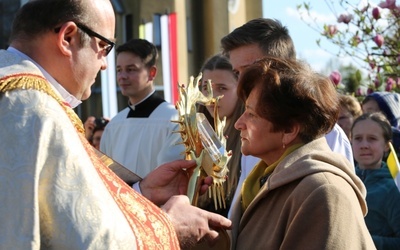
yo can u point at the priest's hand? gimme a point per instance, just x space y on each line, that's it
170 179
193 224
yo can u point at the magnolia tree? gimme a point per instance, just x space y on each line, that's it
370 34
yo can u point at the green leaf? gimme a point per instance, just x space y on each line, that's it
358 75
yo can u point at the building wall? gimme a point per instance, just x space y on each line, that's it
8 8
208 21
201 25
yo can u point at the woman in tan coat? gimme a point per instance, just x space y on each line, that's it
301 195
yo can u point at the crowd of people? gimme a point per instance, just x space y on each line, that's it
94 128
308 168
57 192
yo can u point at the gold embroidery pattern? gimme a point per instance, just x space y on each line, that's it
36 82
152 228
146 219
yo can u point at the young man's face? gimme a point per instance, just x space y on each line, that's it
134 78
243 56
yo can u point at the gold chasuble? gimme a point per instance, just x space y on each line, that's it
150 225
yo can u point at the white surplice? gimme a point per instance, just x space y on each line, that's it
52 195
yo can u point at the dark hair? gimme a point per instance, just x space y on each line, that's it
379 118
101 123
291 93
142 48
40 16
269 34
217 61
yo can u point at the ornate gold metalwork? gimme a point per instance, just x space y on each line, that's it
208 164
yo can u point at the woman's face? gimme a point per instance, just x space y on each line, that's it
368 144
255 132
345 120
223 83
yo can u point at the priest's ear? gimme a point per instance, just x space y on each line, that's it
152 73
68 38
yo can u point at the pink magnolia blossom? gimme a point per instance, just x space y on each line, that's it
343 18
388 4
331 30
376 13
372 64
358 92
390 83
364 9
379 40
370 91
335 77
377 83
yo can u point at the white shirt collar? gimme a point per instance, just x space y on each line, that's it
70 99
133 105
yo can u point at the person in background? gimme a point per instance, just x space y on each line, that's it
101 124
371 135
218 69
386 102
89 126
389 104
141 137
56 192
350 109
94 128
301 195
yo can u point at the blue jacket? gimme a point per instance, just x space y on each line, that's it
383 200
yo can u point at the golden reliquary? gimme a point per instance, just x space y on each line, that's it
202 143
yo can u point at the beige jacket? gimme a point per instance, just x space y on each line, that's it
313 200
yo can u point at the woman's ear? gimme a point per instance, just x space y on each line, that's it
68 38
290 135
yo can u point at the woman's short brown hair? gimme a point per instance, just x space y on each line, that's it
291 93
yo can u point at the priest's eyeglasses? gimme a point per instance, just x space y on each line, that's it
110 45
